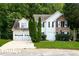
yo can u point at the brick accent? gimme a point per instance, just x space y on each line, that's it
63 29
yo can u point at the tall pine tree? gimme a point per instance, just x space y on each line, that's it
33 30
39 29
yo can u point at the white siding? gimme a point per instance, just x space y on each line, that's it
50 31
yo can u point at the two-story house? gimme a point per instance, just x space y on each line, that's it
51 25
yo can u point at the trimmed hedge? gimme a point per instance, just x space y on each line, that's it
62 37
43 37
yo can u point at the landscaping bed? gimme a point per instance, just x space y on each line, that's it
58 44
3 41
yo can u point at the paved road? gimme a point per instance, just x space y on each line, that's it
40 52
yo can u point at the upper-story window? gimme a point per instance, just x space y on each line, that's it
48 24
23 25
62 23
52 24
56 23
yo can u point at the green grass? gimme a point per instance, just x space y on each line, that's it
58 44
3 41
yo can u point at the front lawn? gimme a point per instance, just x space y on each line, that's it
57 44
3 41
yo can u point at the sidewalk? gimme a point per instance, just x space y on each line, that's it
41 52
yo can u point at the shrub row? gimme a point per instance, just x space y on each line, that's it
62 37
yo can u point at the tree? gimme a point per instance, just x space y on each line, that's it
39 29
33 30
58 6
71 12
35 35
30 29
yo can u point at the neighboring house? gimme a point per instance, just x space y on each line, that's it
21 30
51 24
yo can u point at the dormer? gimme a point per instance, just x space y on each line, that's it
23 23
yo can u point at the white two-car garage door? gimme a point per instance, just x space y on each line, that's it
21 36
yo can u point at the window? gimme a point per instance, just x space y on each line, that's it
26 35
52 24
23 25
65 32
56 32
62 23
42 33
56 23
62 33
18 35
43 24
48 24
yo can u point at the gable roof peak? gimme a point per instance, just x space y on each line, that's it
23 18
58 12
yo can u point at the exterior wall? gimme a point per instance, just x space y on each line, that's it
21 35
64 29
50 31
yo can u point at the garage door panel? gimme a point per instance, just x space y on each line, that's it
18 36
22 35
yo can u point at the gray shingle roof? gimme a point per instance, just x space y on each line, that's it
16 25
